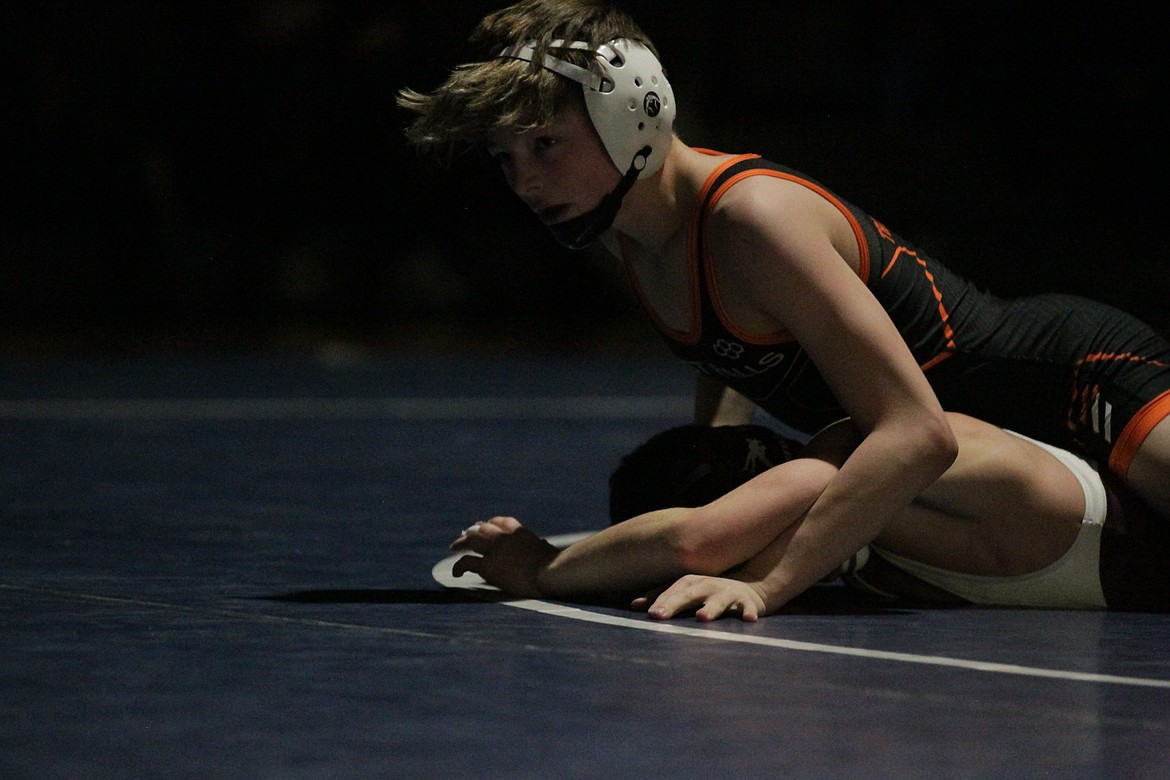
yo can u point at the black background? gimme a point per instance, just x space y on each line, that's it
232 175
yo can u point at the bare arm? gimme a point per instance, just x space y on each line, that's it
833 529
650 549
1004 508
782 266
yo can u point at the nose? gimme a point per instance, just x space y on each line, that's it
524 180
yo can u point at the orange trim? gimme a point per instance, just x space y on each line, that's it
690 337
943 314
934 361
1098 357
1130 440
694 256
858 233
717 302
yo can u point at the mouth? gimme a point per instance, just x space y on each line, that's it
550 215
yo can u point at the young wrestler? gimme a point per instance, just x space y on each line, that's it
776 288
1012 522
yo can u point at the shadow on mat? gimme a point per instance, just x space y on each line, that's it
819 600
386 596
836 599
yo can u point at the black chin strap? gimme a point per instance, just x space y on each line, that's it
580 232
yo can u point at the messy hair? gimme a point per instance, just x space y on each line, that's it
493 93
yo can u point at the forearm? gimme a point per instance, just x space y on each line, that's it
633 554
655 547
882 477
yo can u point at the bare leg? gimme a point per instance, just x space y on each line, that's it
1149 473
1005 507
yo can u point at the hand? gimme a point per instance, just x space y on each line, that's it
510 557
710 597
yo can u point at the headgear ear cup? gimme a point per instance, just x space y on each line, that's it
637 111
629 100
692 465
631 106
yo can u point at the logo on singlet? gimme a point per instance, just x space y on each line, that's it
730 351
757 458
727 349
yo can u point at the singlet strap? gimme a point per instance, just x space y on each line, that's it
699 254
721 180
741 167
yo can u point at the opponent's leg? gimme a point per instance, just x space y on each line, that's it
1005 507
1149 472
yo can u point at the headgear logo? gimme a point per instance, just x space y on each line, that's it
652 104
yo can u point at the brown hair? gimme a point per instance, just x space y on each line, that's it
480 97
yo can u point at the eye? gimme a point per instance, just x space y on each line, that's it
499 157
546 142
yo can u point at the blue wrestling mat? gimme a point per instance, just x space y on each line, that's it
238 568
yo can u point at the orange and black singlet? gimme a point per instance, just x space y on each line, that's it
1058 368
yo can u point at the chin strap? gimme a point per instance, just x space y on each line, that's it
580 232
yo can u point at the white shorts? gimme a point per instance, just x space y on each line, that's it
1071 582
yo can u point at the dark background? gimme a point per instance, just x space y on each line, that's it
194 176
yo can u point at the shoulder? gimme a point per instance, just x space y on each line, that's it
763 219
764 201
783 219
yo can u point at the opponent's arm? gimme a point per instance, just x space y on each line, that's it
1004 508
649 549
742 590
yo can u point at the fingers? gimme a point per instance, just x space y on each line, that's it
714 609
468 563
642 603
479 537
707 597
687 594
506 524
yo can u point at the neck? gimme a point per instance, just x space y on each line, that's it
653 210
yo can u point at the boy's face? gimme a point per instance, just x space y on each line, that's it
561 170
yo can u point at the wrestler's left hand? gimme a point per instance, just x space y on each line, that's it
709 598
509 556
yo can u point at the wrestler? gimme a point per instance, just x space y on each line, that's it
783 295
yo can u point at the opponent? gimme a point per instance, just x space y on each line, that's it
1012 522
783 295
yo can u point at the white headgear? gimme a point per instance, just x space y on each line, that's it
628 98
